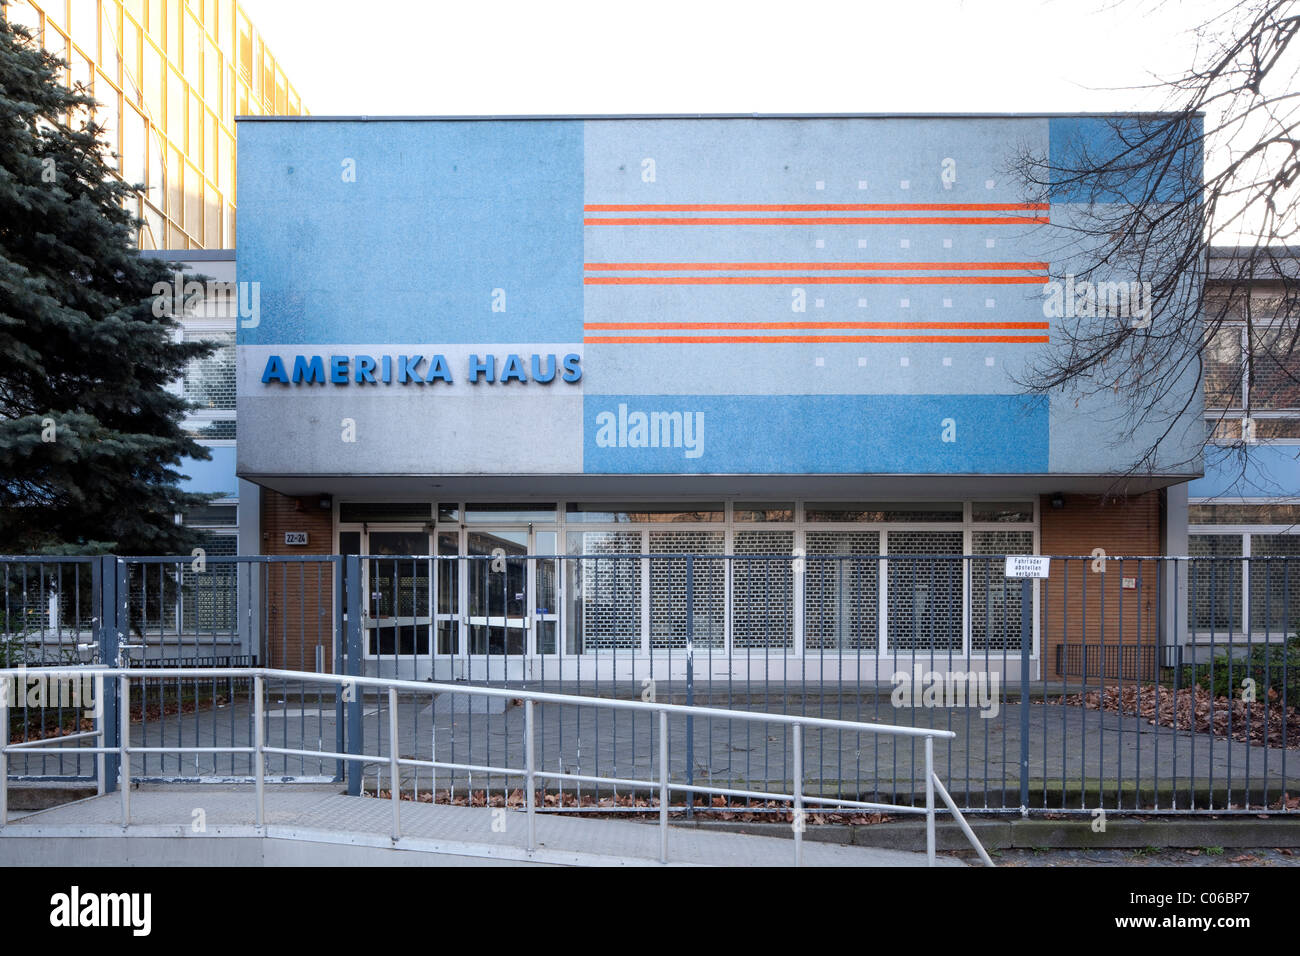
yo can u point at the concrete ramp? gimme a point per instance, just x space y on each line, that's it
215 827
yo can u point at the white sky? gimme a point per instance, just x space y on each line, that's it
668 56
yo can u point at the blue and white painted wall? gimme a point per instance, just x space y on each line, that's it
619 297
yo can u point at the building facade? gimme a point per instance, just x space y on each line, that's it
1245 510
539 342
170 76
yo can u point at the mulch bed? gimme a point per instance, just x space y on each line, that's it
717 809
153 708
1194 708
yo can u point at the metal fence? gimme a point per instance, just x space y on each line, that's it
1142 684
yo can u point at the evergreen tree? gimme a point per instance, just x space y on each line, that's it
90 439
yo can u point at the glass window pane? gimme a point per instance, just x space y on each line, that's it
762 589
210 382
924 594
110 55
353 511
85 25
841 590
211 514
604 611
883 511
154 76
508 513
1015 511
995 598
1275 372
400 593
1274 584
1223 368
763 511
1273 429
612 512
1243 514
1214 582
668 588
23 14
208 598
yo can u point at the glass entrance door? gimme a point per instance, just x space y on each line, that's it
497 591
447 571
399 593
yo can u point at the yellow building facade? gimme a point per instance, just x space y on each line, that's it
170 77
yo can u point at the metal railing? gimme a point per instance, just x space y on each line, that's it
352 688
1118 683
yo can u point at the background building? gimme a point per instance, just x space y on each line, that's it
170 77
1247 505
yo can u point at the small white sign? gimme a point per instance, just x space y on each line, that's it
295 537
1027 566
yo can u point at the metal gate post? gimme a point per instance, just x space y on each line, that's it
1026 650
355 744
107 635
690 683
337 657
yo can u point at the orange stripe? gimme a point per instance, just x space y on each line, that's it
814 280
827 221
616 326
709 266
736 339
817 207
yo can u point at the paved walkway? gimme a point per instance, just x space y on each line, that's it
215 826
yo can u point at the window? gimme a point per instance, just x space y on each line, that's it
610 513
845 580
209 382
511 513
392 511
1252 378
1244 582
